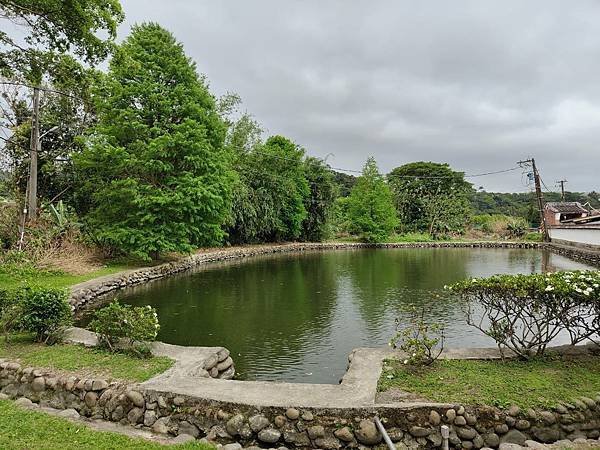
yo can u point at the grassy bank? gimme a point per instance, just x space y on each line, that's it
13 276
24 429
77 359
541 383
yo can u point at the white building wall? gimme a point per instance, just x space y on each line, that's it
581 236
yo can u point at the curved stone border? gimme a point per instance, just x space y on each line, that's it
179 410
86 292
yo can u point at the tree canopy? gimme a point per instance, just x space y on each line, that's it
370 206
85 28
430 197
155 176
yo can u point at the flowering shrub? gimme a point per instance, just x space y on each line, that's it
125 325
524 313
422 342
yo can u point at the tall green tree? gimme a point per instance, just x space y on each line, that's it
155 174
269 204
319 204
431 197
370 207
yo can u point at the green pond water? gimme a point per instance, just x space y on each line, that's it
296 317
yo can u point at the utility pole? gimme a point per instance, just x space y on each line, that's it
562 189
33 160
539 196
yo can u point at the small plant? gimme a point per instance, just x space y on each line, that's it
45 312
10 313
117 325
421 341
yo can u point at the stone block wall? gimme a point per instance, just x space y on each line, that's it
409 425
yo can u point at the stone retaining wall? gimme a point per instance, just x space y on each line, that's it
83 293
577 253
410 425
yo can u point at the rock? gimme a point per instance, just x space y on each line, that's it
245 431
179 401
4 397
434 418
118 413
279 421
234 446
228 374
38 384
546 435
535 445
187 428
214 372
460 421
182 439
508 446
258 422
513 437
395 434
298 439
99 385
224 365
269 435
451 415
435 439
90 399
580 404
491 440
548 417
466 433
162 403
522 425
471 419
210 362
460 410
315 432
149 418
419 431
308 416
345 434
589 402
235 424
292 413
24 402
222 355
467 445
367 433
478 441
513 411
501 428
561 409
69 413
327 443
135 415
136 398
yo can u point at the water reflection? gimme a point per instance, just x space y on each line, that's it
296 317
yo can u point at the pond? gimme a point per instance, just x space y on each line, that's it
296 317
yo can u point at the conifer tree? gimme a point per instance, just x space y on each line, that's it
371 211
155 174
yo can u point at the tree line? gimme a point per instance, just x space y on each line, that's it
150 161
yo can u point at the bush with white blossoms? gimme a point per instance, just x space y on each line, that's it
524 313
126 327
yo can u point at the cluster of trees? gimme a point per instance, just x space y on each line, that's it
151 161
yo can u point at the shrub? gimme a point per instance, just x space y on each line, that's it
43 311
126 325
422 342
10 313
524 313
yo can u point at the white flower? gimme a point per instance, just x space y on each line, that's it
389 377
405 361
549 288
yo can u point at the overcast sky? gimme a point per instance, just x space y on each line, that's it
477 84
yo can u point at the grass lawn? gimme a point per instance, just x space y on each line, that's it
81 360
11 277
541 383
23 429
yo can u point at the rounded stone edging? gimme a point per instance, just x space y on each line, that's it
86 292
410 426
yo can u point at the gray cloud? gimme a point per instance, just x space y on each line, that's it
476 84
